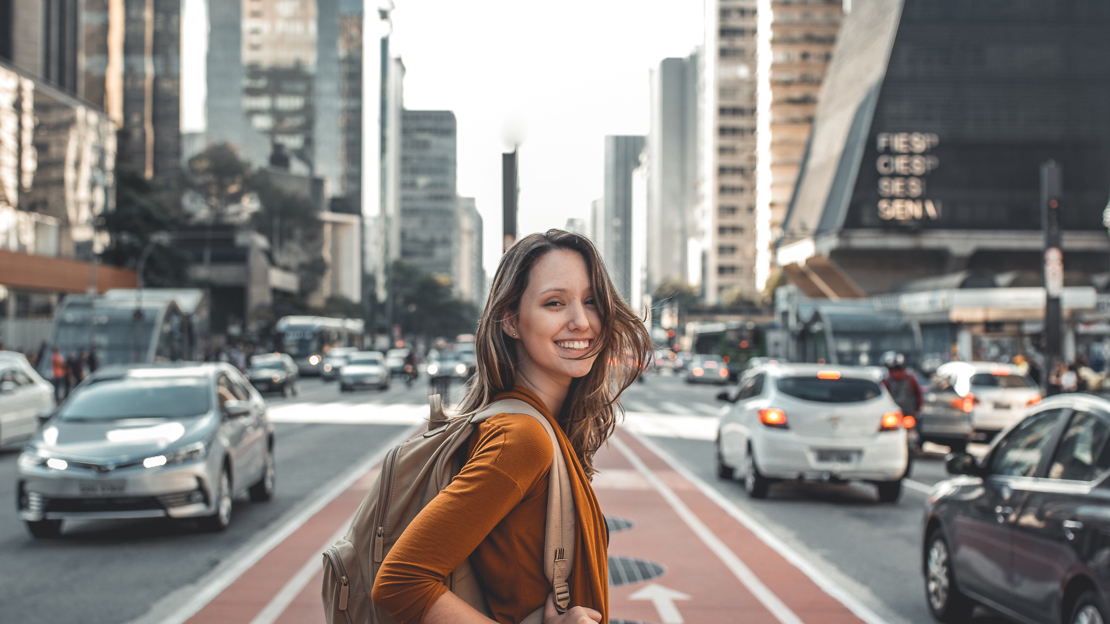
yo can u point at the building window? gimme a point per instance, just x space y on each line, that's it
734 53
727 269
262 122
733 170
727 211
736 111
726 250
734 131
727 150
729 230
732 190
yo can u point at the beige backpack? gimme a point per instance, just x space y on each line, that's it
412 474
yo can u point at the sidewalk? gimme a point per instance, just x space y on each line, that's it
677 556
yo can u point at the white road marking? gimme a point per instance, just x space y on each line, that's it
738 568
350 414
851 602
662 598
292 589
674 408
670 426
708 410
917 486
187 601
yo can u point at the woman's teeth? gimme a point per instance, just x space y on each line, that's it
574 344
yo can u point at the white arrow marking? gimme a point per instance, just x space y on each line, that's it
663 598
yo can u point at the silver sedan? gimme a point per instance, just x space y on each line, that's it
148 441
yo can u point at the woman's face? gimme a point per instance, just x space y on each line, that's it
557 322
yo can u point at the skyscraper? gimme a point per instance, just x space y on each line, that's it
672 185
429 214
622 156
472 275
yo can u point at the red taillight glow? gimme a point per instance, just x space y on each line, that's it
908 422
891 420
965 404
698 372
773 417
1033 401
724 372
711 364
828 375
1001 372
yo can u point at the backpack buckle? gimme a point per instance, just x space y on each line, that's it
562 597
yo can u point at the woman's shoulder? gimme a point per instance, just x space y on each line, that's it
522 439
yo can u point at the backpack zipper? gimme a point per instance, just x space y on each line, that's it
383 504
345 583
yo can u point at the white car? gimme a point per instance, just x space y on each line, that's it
23 395
364 369
812 422
990 396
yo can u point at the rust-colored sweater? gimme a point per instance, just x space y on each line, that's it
495 512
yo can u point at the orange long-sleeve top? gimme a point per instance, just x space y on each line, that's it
495 512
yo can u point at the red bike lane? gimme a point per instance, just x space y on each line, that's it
677 556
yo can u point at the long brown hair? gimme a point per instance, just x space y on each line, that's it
590 410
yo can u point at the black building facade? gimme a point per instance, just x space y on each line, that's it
930 133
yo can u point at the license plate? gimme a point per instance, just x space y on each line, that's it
101 488
1002 406
836 456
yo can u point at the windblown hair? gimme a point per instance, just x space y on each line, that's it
589 413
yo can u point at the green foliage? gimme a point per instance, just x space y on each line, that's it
284 217
675 292
424 305
143 209
219 177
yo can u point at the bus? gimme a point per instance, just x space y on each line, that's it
735 342
127 326
307 339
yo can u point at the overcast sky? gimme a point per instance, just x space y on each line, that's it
568 72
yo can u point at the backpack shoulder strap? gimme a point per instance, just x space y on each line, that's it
559 539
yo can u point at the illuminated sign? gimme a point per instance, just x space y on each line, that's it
904 164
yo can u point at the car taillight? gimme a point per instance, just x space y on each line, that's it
965 403
1033 401
724 372
891 421
773 418
909 422
698 372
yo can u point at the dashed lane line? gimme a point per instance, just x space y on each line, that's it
819 578
742 572
917 486
183 604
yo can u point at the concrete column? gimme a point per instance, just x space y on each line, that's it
963 344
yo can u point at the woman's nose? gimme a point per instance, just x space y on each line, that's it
578 319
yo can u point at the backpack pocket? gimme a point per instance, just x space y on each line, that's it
346 597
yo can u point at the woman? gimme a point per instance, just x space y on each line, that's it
555 334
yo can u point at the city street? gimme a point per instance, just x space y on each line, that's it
859 551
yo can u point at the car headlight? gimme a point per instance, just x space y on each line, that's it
196 450
460 369
31 459
275 379
432 369
327 367
314 360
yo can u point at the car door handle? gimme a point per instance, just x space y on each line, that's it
1070 527
1002 512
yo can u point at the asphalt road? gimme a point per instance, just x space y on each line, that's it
109 572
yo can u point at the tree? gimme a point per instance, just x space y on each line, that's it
218 177
142 209
424 305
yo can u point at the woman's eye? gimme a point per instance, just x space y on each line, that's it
551 304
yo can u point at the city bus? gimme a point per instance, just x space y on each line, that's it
307 339
127 326
735 342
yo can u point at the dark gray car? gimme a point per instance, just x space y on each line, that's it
149 441
1026 529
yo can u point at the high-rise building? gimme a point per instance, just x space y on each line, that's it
597 224
43 38
672 184
729 85
622 157
225 121
429 214
472 275
578 226
802 36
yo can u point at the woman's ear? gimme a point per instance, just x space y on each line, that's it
509 325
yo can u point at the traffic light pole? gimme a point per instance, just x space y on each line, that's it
1051 192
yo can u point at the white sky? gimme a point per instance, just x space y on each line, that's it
569 73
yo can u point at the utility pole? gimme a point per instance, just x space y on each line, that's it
510 191
1051 192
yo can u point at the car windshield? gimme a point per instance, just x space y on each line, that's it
364 358
116 399
842 390
267 364
990 380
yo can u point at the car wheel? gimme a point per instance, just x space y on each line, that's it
889 491
1089 609
724 471
755 484
45 529
945 600
221 517
344 388
286 390
263 490
958 447
297 389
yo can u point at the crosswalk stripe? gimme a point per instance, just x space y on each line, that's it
674 408
708 410
350 414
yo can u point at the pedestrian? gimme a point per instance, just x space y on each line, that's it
61 382
555 333
72 370
94 360
83 365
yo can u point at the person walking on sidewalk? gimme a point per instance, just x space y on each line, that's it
556 334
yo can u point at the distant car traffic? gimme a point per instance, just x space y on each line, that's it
334 361
707 369
681 360
274 372
812 422
973 401
364 369
395 360
23 395
148 441
1024 530
448 365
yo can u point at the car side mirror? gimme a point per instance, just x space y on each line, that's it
235 409
44 415
723 396
7 386
962 464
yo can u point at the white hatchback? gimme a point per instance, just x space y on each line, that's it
23 395
812 422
